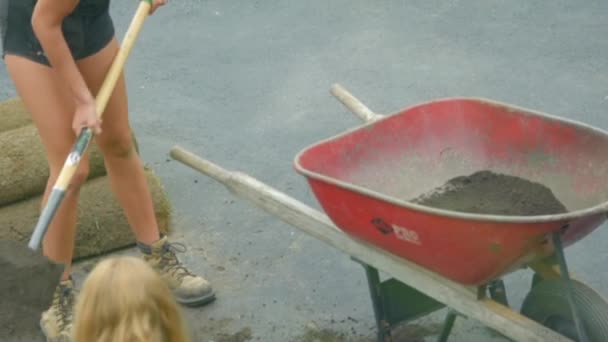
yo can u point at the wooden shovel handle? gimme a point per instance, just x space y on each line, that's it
121 57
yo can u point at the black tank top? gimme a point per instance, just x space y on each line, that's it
84 7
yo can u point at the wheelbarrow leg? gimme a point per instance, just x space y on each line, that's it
559 252
373 281
448 324
394 302
498 292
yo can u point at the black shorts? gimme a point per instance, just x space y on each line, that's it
87 30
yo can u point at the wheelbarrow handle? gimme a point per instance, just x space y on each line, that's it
353 104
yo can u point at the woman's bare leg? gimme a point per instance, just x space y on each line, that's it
51 108
123 164
130 185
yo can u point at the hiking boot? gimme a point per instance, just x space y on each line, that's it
56 322
188 288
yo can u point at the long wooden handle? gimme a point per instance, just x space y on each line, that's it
121 57
73 159
353 104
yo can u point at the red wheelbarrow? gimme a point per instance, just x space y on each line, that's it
364 179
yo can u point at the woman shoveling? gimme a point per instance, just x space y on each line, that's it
58 53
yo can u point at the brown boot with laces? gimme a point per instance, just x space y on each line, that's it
188 288
56 322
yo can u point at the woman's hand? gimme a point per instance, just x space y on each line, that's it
86 116
156 4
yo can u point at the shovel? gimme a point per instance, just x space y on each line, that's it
73 159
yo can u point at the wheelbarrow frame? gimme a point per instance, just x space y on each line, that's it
486 303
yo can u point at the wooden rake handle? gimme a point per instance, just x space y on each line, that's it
73 159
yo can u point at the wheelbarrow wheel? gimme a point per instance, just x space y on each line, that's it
547 303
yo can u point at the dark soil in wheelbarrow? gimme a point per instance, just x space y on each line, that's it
486 192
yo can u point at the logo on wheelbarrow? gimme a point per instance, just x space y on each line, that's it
401 233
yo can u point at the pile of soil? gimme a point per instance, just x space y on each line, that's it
26 289
486 192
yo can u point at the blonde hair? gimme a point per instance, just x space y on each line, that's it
124 300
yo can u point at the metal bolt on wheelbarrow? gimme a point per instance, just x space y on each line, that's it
440 258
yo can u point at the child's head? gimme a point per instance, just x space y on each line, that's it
124 300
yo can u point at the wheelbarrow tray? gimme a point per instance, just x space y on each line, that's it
365 178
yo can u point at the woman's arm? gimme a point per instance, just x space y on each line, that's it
46 23
47 20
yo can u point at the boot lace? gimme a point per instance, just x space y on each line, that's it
64 302
170 263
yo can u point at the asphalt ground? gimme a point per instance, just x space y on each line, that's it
246 85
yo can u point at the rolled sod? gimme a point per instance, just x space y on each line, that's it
13 114
24 168
102 225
